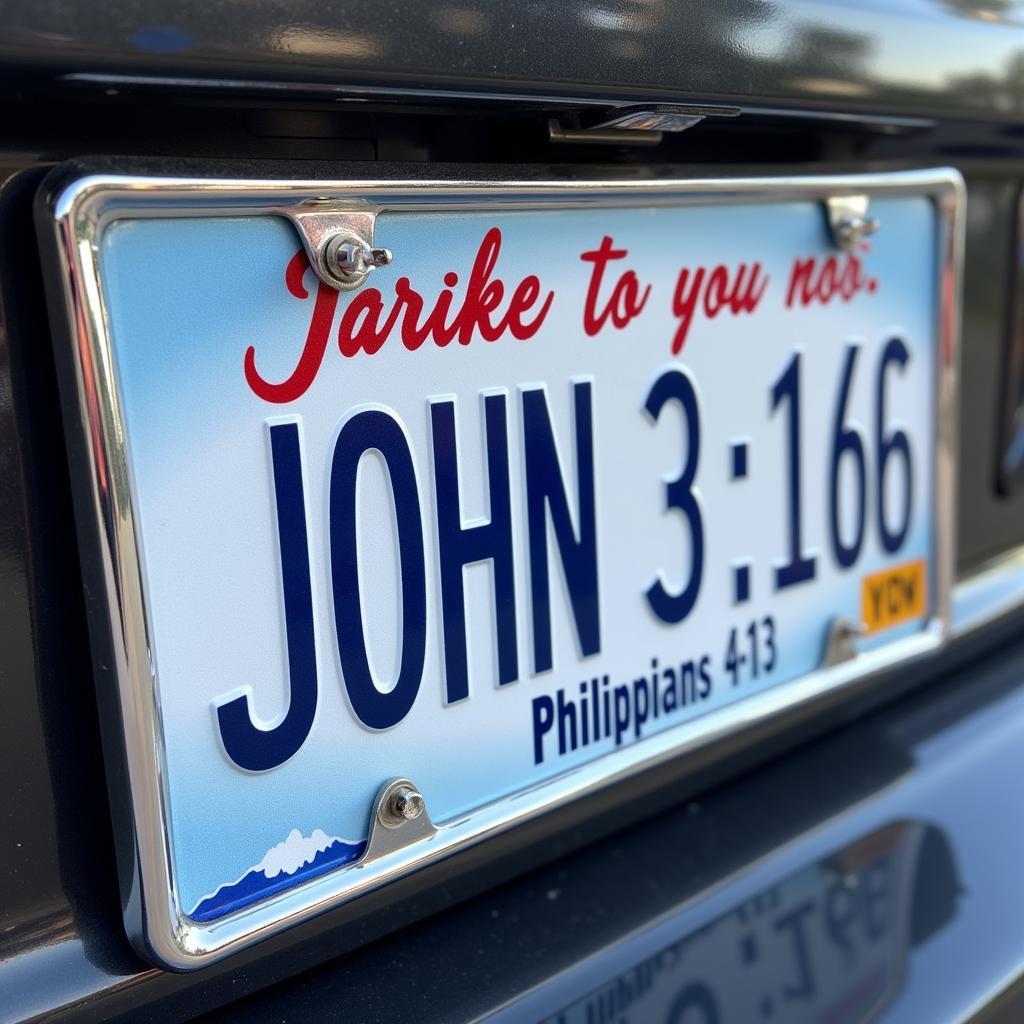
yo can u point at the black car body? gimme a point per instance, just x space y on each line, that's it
576 912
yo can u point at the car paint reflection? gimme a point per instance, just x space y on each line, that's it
828 943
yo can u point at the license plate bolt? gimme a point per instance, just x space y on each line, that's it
404 804
848 221
349 260
399 819
338 240
841 641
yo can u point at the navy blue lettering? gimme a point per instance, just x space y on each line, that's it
247 744
375 430
847 443
705 677
545 495
641 704
584 717
671 701
459 546
566 724
896 443
800 567
676 385
543 718
622 710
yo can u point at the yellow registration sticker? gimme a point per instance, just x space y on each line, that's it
893 595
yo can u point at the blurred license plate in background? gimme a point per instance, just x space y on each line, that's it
563 478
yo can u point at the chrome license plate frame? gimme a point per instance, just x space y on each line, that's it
73 214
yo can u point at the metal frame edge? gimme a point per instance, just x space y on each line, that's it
71 215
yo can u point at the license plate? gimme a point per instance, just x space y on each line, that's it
586 477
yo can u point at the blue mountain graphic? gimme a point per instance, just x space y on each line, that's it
255 885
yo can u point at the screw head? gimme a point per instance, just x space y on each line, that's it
349 259
852 230
404 804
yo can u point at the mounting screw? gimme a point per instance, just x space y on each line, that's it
848 220
348 260
852 230
847 630
404 804
841 641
